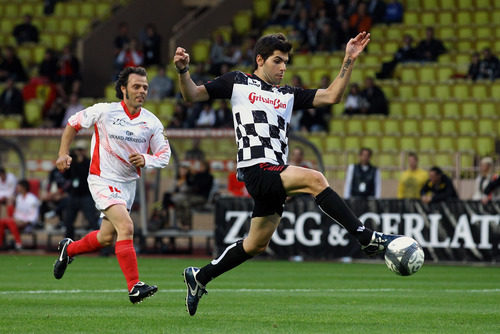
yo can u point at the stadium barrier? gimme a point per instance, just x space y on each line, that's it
448 231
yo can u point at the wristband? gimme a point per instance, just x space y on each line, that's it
182 71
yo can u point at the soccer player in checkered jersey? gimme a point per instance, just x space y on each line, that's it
124 133
261 113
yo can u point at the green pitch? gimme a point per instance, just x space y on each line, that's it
257 297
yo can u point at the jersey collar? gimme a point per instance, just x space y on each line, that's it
128 112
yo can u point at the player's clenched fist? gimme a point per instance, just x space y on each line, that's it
137 160
181 58
63 162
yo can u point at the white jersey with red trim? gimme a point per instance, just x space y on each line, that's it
118 134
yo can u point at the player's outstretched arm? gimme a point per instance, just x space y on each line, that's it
190 91
334 92
63 159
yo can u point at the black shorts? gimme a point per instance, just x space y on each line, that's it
264 184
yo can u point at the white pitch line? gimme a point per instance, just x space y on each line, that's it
76 291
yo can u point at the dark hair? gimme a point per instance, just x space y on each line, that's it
25 184
2 170
369 150
437 170
123 78
266 45
413 154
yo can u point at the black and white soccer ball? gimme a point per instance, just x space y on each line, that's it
404 256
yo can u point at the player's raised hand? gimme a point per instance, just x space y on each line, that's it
357 44
63 162
181 58
137 160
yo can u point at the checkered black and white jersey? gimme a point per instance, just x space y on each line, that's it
261 115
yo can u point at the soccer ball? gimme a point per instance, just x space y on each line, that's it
404 256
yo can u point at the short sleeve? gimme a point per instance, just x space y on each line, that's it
303 98
221 87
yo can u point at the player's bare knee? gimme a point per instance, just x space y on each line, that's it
106 239
256 249
126 230
318 181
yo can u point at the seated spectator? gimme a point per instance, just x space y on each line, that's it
72 108
54 196
25 214
224 116
195 152
311 36
363 180
207 117
430 48
483 179
411 180
48 68
474 67
489 67
181 186
54 116
492 190
343 34
11 100
25 32
129 56
393 12
11 66
68 73
285 12
327 38
406 53
122 39
198 74
361 20
375 97
160 86
355 103
178 118
8 184
217 54
297 158
151 46
439 187
313 120
376 9
196 194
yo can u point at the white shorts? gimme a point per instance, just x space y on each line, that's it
107 192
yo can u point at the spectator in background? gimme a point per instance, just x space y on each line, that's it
297 158
55 114
376 9
207 117
224 116
355 102
474 67
411 180
492 191
151 45
393 12
406 53
285 12
363 180
199 75
122 39
439 187
375 97
301 23
54 197
178 118
79 198
11 100
351 7
25 214
25 32
179 190
311 36
48 68
68 72
11 66
160 86
489 67
327 38
129 56
361 20
195 152
8 183
343 35
483 179
217 54
73 107
430 48
313 120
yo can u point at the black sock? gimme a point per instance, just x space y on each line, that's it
335 207
233 256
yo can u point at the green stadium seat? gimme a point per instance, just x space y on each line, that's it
480 91
446 144
413 110
354 126
352 143
448 127
166 110
465 32
7 25
489 110
425 160
373 126
391 127
33 112
242 22
444 160
318 73
410 127
72 9
424 91
408 74
484 32
406 91
411 18
465 144
61 40
469 110
408 144
430 5
371 142
82 25
467 127
262 9
445 73
483 4
442 91
319 59
67 25
428 18
337 126
394 33
333 143
486 127
426 144
389 144
427 74
11 9
451 110
445 18
460 91
110 92
485 146
317 141
432 110
429 127
103 9
87 9
201 51
447 4
464 45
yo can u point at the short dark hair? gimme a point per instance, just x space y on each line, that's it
123 78
437 170
413 154
25 184
369 150
267 44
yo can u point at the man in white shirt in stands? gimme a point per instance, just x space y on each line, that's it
124 133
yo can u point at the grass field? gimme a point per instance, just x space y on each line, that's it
257 297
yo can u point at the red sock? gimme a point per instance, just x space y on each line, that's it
11 224
87 244
125 254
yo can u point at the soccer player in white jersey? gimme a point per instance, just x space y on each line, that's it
261 114
124 133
